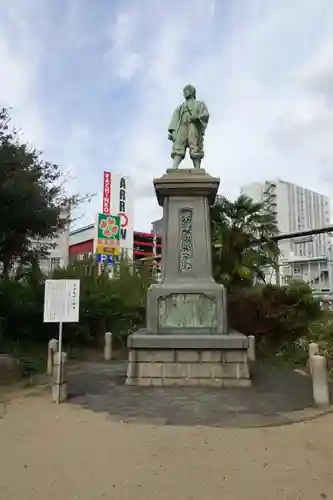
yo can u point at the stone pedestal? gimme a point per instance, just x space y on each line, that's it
188 360
186 339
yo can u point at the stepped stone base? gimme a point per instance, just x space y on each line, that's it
188 360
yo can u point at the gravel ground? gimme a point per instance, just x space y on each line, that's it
65 452
278 396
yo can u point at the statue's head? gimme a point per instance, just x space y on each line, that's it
189 91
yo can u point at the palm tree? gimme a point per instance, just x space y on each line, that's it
242 241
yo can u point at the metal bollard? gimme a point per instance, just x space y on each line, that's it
313 350
251 350
108 346
52 349
320 387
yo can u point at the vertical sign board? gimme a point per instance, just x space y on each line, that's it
122 204
106 193
61 301
61 305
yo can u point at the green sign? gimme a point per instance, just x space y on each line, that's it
108 227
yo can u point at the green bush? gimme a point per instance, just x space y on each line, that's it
274 315
21 310
321 332
116 305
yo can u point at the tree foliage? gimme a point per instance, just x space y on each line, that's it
31 199
274 315
242 241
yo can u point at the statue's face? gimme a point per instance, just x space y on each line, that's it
188 92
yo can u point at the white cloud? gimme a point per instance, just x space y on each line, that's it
266 119
263 68
124 59
20 56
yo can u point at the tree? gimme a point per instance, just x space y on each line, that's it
242 241
31 199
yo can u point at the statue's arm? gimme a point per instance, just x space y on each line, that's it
203 115
173 126
174 120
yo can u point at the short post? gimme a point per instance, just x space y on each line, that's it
251 350
108 346
59 379
321 395
52 349
313 350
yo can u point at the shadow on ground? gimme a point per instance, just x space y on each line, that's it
278 396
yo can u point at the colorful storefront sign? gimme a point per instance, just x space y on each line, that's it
108 234
120 200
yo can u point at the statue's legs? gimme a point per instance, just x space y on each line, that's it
178 151
195 144
176 161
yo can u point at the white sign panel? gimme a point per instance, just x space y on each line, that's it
61 301
122 204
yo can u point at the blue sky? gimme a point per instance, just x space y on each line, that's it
93 84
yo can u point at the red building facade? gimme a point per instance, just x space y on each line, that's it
81 243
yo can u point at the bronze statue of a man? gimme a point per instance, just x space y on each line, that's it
187 128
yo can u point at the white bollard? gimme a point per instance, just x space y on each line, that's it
52 349
251 350
108 346
320 387
313 350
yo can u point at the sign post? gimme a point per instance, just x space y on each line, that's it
61 305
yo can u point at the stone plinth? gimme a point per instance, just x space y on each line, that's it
186 197
186 337
182 360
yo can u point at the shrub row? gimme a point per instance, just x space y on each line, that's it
274 315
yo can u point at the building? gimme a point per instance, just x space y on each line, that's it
81 243
58 247
157 226
296 209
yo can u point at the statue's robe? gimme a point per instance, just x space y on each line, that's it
187 134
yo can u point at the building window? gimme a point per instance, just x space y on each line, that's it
55 263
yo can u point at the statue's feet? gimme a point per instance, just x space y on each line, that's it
176 161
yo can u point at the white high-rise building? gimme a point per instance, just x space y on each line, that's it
296 209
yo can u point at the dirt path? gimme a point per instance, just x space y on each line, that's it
68 453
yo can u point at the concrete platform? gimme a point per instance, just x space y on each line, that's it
145 340
188 360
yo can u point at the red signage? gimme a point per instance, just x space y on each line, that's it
123 219
107 193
